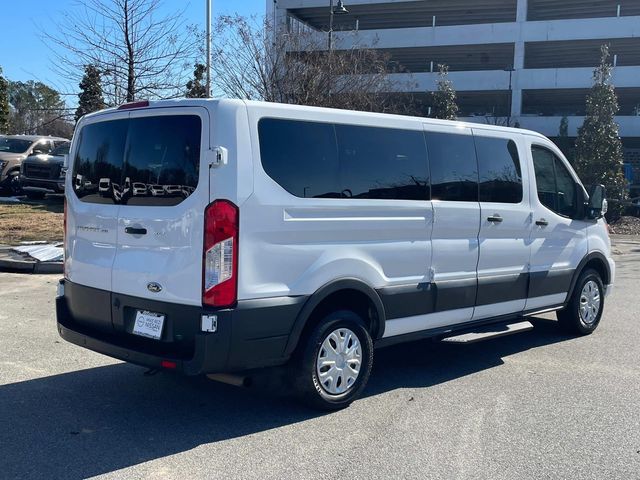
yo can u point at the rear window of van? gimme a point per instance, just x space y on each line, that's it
139 161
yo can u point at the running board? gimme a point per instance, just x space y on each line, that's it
488 332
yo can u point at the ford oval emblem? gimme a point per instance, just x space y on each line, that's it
154 287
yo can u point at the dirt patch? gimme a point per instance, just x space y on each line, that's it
625 226
21 222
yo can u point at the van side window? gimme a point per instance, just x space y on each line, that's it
453 167
323 160
300 156
555 185
500 174
382 163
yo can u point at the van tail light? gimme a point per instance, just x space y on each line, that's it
220 259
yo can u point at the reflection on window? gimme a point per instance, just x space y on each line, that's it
454 168
141 161
555 185
323 160
500 174
382 163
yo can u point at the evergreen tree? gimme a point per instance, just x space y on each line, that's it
564 127
444 99
599 153
90 98
196 87
4 104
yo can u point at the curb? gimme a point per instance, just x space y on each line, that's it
14 262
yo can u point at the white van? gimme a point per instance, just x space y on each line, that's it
309 236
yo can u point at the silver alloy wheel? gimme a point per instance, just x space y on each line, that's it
589 302
339 361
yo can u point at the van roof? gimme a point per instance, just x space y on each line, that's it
279 107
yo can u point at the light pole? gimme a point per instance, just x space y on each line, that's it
339 10
209 48
510 70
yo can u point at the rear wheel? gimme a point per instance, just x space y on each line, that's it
583 312
334 365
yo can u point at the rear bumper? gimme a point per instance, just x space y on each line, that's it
39 183
252 335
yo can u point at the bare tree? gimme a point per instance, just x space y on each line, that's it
257 62
139 53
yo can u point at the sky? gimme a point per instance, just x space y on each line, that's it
24 55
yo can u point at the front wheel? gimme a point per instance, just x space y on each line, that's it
15 188
582 314
335 363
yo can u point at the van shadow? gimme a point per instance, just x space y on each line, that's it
99 420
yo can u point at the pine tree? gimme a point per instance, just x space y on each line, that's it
196 87
564 128
444 99
599 153
90 98
4 104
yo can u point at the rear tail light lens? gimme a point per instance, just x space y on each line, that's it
220 262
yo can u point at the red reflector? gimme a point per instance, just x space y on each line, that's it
168 364
140 104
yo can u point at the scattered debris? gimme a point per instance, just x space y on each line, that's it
52 252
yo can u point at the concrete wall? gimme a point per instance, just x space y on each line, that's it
518 33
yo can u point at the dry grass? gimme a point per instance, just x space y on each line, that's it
24 222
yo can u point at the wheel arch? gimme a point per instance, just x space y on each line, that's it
596 261
344 293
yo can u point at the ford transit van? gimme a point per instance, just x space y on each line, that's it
306 237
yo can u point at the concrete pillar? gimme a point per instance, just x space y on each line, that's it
521 15
518 65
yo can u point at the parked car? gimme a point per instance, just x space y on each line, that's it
172 190
42 173
156 190
104 186
139 189
315 234
14 149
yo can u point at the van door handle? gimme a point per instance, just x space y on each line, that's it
542 222
135 231
495 218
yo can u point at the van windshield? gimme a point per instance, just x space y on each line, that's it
138 161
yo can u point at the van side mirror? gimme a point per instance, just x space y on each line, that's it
597 205
65 160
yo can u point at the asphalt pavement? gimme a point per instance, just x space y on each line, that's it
537 405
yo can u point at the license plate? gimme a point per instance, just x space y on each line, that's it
148 324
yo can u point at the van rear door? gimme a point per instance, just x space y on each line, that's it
160 228
92 212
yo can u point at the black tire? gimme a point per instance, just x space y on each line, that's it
35 195
570 318
308 385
